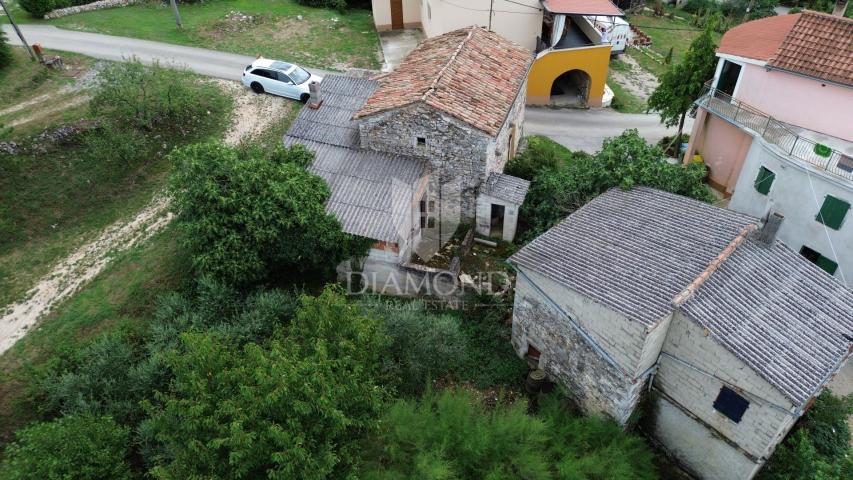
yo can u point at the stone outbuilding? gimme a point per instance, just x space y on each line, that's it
731 331
498 204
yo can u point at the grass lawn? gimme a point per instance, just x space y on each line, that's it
323 38
623 100
665 33
123 295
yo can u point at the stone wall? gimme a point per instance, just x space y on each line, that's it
100 5
484 216
571 360
500 154
692 369
453 149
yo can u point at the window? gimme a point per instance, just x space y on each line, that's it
731 404
263 73
284 78
729 76
764 180
845 163
420 141
815 257
832 212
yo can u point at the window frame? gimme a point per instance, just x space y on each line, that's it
823 262
731 404
828 218
764 174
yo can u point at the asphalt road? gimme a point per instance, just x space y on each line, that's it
586 130
576 129
205 62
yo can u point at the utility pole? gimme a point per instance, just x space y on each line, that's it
491 12
177 14
18 31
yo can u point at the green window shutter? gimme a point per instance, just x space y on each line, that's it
832 212
764 180
827 265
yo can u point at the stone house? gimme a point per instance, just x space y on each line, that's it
731 331
405 153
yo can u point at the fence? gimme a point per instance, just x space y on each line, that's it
776 132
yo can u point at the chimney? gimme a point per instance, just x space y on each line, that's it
840 8
767 234
316 98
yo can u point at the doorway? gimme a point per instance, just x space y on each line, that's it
497 221
397 14
729 76
571 89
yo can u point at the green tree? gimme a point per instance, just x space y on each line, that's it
6 57
244 215
84 447
682 83
296 407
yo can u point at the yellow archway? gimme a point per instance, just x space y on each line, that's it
594 61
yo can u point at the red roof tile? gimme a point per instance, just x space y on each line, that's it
471 74
819 46
582 7
758 39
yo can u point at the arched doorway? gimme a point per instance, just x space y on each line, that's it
571 89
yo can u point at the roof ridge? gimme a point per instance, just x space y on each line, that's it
450 61
713 266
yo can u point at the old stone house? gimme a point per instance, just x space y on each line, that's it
405 153
731 331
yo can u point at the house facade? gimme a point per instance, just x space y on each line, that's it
572 55
774 129
405 154
729 331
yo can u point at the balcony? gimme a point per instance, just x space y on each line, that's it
792 140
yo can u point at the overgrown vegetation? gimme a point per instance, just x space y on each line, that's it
819 445
450 435
246 215
624 161
6 56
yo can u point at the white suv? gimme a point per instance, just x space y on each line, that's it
279 78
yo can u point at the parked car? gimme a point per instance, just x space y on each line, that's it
279 78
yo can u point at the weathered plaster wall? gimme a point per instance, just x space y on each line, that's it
484 216
723 147
501 149
791 195
692 369
597 385
382 14
439 17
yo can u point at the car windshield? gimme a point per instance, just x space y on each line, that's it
298 75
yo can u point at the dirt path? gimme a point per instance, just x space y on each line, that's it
53 108
253 114
638 82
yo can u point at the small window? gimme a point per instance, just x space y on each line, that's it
832 212
845 164
731 404
432 205
431 222
263 73
823 262
764 180
420 141
284 78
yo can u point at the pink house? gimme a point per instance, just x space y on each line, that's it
775 128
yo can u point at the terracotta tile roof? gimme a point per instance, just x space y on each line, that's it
820 46
470 73
758 39
582 7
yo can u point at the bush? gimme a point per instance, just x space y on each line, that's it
6 56
624 161
541 153
37 8
70 447
336 4
154 97
244 216
818 447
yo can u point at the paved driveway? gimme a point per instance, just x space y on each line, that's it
205 62
586 129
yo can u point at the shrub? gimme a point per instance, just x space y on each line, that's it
336 4
154 97
70 447
243 216
37 8
6 56
542 153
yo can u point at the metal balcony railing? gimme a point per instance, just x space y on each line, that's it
776 132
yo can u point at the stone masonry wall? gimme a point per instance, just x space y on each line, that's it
453 149
695 385
569 358
498 155
100 5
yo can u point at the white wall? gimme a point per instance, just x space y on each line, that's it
520 24
791 195
484 216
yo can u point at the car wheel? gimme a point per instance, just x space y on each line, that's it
257 87
304 98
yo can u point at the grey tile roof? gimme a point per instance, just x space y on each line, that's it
370 190
634 251
505 187
780 314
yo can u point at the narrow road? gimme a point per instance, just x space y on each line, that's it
586 129
210 63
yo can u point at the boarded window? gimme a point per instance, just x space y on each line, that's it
731 404
823 262
832 212
764 180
